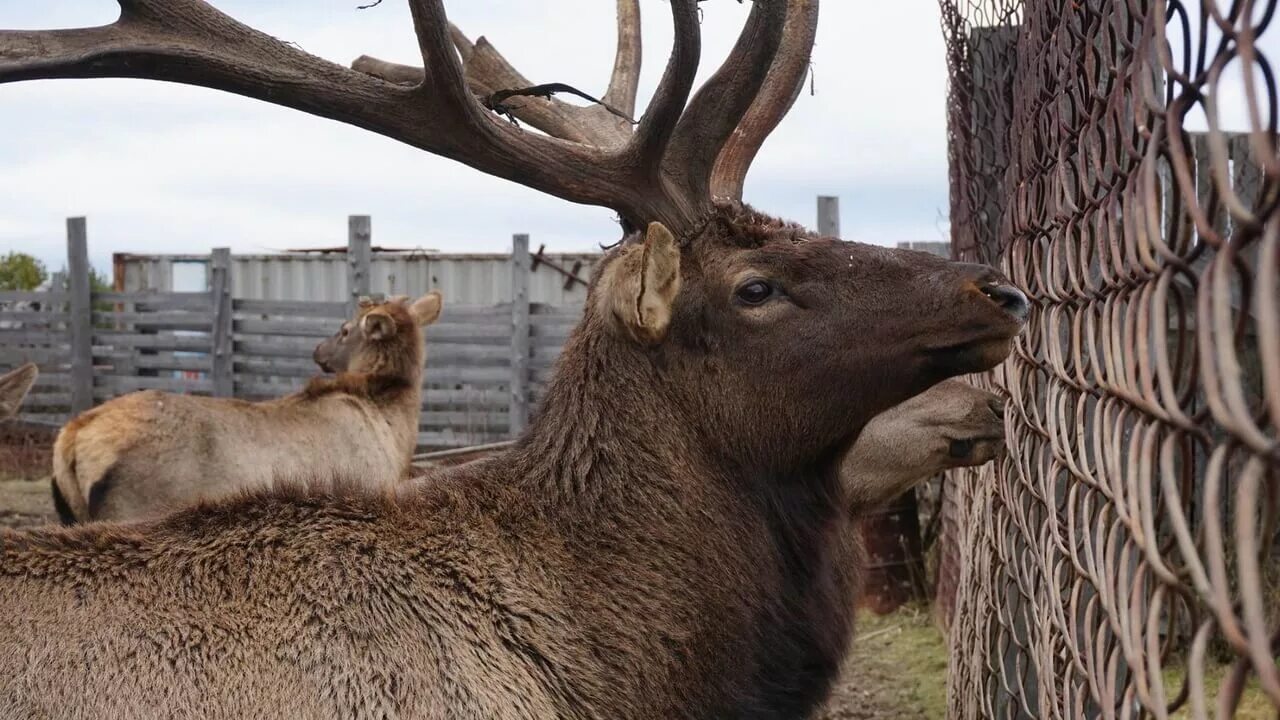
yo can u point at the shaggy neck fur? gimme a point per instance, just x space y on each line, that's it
773 557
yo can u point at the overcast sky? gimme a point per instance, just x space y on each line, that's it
163 168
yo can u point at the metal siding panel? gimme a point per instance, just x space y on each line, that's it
482 279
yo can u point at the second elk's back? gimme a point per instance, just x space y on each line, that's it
147 453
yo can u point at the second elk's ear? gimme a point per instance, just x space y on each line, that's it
640 288
426 309
377 326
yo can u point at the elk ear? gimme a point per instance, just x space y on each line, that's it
377 326
426 309
642 285
14 387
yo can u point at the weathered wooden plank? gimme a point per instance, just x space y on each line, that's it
183 343
193 320
275 347
50 298
468 375
41 337
290 327
122 384
162 361
45 317
359 258
461 419
159 300
36 399
518 410
290 308
222 375
81 332
453 354
46 418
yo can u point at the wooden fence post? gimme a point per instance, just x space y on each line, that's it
81 320
359 256
220 288
829 216
519 408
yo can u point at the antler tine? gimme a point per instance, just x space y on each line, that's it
721 103
781 88
487 71
625 79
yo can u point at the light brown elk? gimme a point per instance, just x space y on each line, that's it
950 425
14 386
667 539
148 453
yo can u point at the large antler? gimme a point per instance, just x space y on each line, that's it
665 170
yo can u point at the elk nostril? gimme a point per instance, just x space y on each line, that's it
1009 298
997 406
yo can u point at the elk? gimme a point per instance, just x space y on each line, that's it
950 425
147 453
668 536
14 386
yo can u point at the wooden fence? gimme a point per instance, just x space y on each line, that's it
485 365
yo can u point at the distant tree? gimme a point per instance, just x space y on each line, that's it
20 271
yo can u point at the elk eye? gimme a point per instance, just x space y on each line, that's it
754 292
960 448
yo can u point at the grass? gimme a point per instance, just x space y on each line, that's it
911 654
1254 704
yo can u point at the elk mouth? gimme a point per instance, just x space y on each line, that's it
975 355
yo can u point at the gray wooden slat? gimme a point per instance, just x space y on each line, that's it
167 301
185 343
290 307
120 384
518 411
81 331
222 375
30 296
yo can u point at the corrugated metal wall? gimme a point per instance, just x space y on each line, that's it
464 279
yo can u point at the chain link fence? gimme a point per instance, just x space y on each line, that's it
1117 159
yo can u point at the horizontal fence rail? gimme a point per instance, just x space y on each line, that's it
1121 561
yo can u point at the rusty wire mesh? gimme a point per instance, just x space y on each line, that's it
1117 158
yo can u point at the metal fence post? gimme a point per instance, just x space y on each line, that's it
81 320
359 254
829 216
223 372
519 408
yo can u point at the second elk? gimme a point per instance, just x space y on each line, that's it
150 452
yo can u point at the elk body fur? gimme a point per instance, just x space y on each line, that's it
150 452
653 546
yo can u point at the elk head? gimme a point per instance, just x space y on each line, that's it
14 386
380 333
950 425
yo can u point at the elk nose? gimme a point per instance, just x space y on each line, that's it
1007 297
997 406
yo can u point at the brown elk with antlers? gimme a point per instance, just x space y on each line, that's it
667 539
148 453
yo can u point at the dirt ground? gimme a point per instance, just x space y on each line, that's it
896 670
